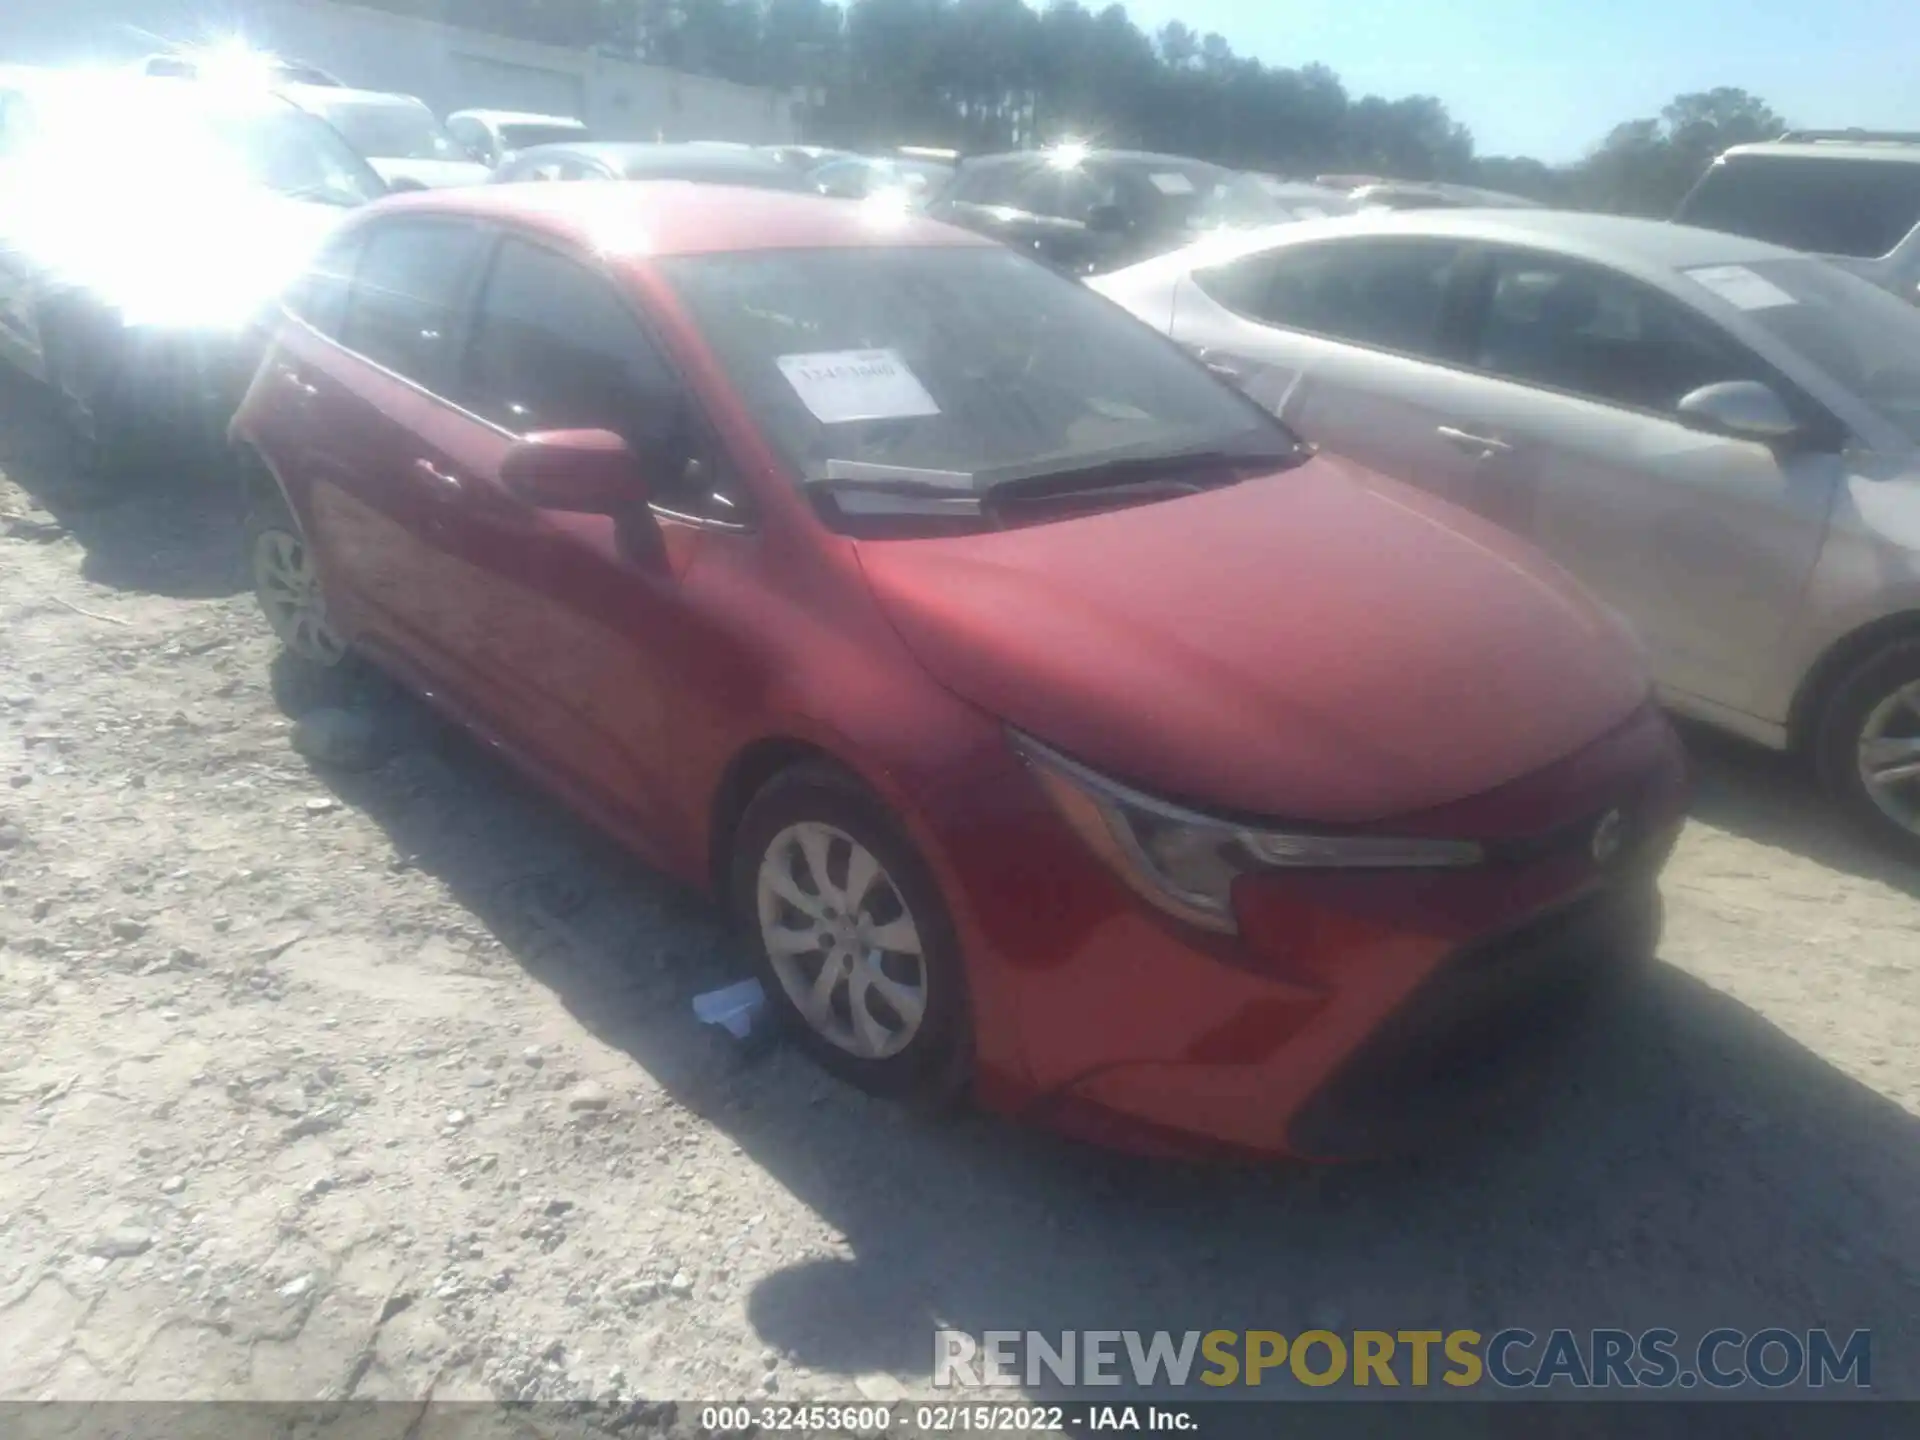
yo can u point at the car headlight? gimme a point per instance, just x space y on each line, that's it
1185 862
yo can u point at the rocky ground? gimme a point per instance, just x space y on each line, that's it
382 1080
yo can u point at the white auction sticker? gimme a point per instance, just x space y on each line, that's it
1171 182
843 385
1741 287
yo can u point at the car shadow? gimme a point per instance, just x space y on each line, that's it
1682 1163
173 528
1772 799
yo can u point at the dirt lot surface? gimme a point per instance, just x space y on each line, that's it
383 1082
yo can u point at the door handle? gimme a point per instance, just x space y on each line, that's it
292 379
1483 445
443 485
1225 369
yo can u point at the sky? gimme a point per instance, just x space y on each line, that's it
1551 77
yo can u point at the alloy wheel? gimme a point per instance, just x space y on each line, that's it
1889 756
842 941
289 591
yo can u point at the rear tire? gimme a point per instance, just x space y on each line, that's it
851 938
287 585
1866 747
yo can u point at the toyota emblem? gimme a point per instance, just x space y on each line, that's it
1608 835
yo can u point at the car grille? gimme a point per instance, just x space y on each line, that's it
1481 1023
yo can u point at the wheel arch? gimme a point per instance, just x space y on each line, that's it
746 775
1836 663
258 479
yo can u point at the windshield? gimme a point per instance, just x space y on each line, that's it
1176 190
529 134
188 146
960 366
1867 340
389 131
1827 205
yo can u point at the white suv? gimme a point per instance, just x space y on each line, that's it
1849 196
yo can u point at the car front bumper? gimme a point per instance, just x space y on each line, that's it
1354 1006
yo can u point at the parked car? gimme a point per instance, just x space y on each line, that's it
128 287
710 161
862 177
1046 714
1251 200
1850 196
196 63
396 133
495 136
1720 437
1433 195
806 157
1082 211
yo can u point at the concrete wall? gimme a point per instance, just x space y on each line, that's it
448 67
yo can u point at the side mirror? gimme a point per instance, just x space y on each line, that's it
1106 220
585 472
1743 409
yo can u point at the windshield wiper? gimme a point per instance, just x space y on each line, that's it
1183 470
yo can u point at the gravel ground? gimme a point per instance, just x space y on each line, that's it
384 1083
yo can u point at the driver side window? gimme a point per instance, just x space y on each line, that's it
1565 325
555 347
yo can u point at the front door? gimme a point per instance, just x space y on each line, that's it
580 624
1704 542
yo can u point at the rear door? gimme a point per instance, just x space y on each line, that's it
1705 543
1348 342
385 449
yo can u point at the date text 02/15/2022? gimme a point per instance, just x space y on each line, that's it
945 1419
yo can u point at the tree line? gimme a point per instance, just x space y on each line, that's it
981 75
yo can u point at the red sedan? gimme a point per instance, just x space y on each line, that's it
1057 725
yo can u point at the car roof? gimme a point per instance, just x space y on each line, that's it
1617 240
655 218
517 117
1895 150
340 94
718 155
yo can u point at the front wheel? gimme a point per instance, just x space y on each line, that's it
851 937
1867 747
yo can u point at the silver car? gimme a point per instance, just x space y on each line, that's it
1721 438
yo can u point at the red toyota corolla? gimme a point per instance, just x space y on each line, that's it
1052 720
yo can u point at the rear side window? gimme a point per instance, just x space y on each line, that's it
319 297
1388 294
1858 208
406 294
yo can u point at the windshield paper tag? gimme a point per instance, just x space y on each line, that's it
844 385
1171 182
1740 287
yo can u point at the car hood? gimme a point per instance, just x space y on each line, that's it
432 174
1319 645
